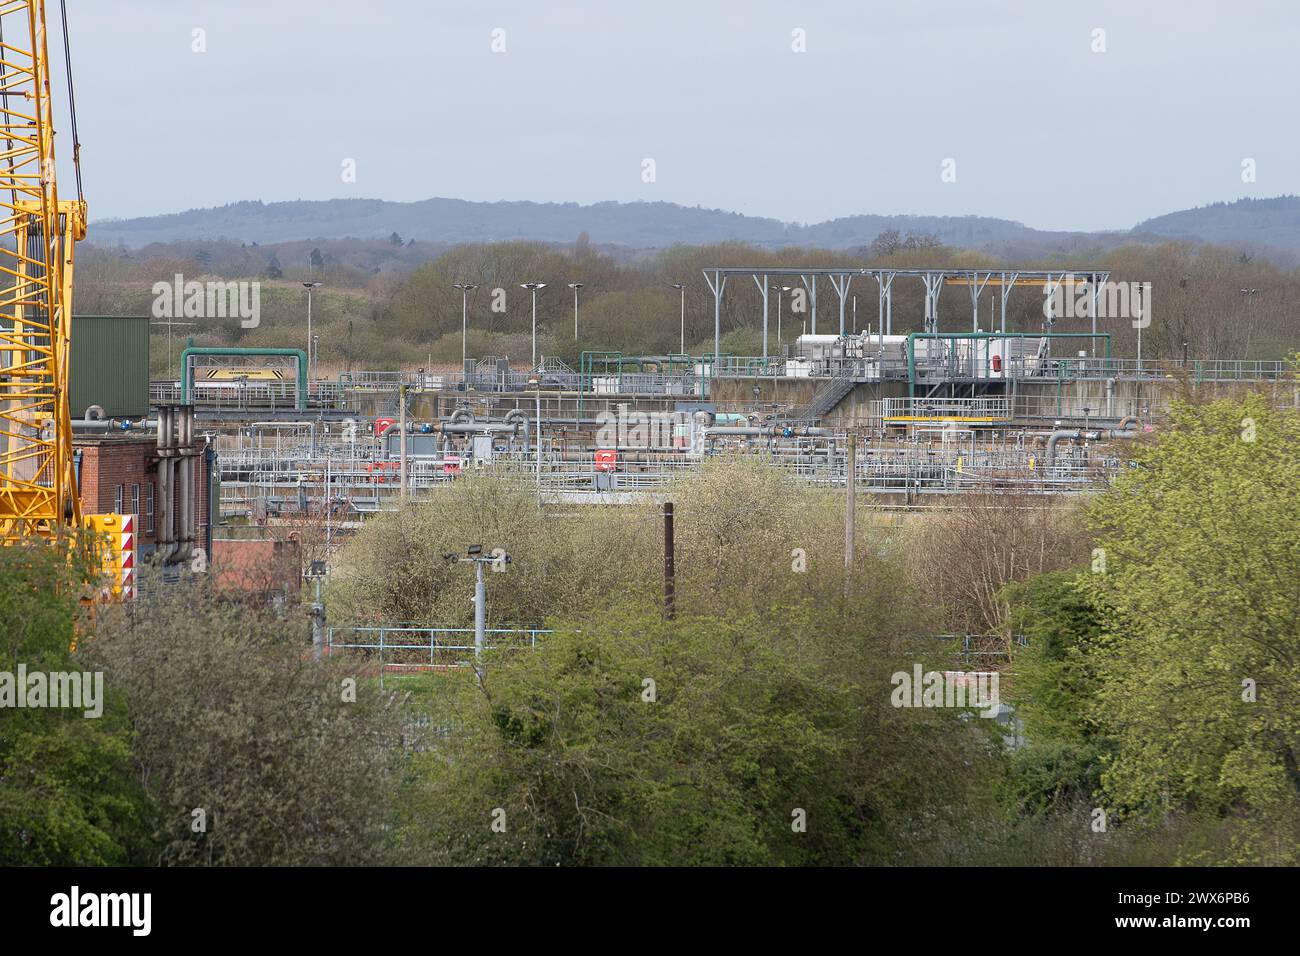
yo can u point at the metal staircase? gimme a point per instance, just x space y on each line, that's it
830 394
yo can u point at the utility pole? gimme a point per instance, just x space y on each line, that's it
669 568
533 287
480 613
850 505
169 323
328 528
681 287
401 439
310 287
317 626
317 572
575 286
465 289
536 382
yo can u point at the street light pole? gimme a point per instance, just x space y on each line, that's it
681 287
309 286
536 382
575 286
533 287
465 289
780 290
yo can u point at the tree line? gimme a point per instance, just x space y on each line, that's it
1156 684
389 304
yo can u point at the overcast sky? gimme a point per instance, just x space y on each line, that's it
1042 129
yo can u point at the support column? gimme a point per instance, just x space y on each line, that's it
762 287
885 302
976 290
933 286
718 285
841 285
1008 283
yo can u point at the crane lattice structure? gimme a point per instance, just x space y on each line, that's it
38 488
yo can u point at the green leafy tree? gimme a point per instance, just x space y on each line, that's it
1199 661
1055 690
68 792
699 741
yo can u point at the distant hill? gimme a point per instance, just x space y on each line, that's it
448 221
643 225
1264 222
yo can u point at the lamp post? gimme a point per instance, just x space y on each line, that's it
533 287
575 286
681 287
310 287
535 382
465 289
779 290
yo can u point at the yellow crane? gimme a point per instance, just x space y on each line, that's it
39 497
38 231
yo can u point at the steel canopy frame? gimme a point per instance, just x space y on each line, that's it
976 280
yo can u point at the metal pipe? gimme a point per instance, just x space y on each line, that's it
185 516
401 438
166 511
477 428
763 431
213 493
1075 434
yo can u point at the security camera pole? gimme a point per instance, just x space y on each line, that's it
474 554
317 572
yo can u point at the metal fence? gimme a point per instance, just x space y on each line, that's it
409 648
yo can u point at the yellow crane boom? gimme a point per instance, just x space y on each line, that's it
38 488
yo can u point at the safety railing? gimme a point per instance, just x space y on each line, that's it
410 648
987 409
984 647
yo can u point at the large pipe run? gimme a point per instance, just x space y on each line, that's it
166 512
1075 434
763 431
186 508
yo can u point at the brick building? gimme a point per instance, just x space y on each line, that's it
119 473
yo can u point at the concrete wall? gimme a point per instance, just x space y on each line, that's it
1148 400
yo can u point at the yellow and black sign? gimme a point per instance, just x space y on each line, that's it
217 374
